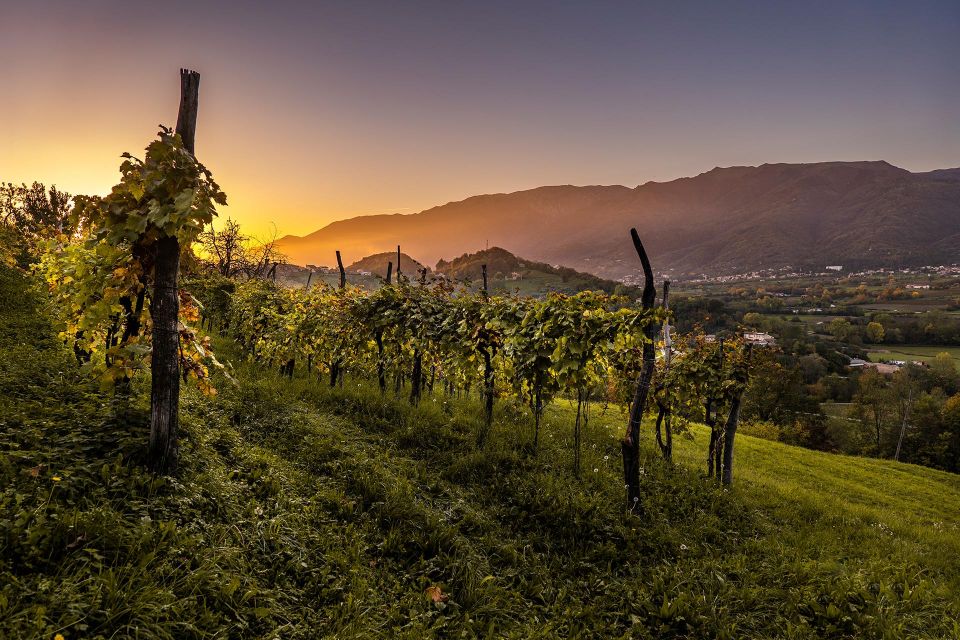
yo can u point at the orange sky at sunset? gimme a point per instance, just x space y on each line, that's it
311 112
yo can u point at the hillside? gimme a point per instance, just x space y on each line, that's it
303 512
469 265
507 272
732 219
377 264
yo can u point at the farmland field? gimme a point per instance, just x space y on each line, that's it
924 353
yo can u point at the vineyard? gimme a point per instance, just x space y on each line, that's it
309 511
490 464
418 338
437 339
122 262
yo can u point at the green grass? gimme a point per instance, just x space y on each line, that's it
924 353
305 512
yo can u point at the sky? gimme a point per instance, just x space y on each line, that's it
316 111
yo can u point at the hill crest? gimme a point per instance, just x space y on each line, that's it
377 264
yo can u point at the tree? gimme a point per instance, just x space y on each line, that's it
231 253
813 367
224 250
951 435
35 211
944 372
840 329
875 332
873 401
753 320
776 393
261 256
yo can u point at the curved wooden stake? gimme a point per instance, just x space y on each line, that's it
630 446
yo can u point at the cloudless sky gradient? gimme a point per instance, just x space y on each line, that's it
315 111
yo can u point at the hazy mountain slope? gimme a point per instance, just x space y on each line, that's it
725 220
509 272
377 263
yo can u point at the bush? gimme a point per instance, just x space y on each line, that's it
760 429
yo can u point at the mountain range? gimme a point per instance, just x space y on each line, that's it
727 220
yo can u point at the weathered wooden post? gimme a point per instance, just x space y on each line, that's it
337 366
165 311
630 446
488 375
730 431
378 338
398 264
343 274
712 408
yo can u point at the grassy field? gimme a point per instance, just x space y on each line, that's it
924 353
911 511
305 512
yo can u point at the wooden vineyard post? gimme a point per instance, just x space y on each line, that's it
389 271
730 431
398 264
630 445
488 380
343 274
336 367
165 311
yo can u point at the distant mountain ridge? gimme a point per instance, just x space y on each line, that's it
726 220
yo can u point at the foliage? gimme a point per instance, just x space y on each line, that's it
703 371
875 332
35 211
536 347
99 278
303 511
168 194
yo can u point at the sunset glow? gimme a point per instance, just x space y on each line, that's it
311 114
479 318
